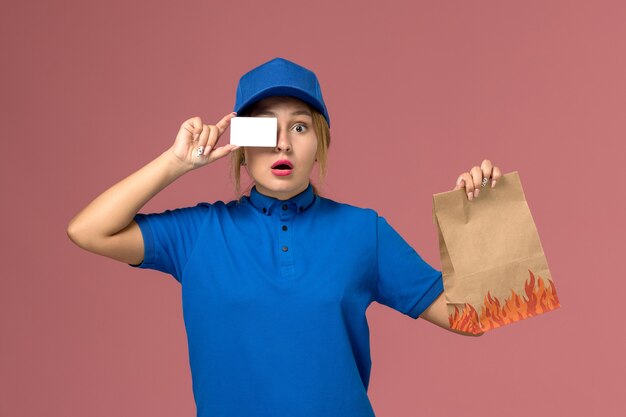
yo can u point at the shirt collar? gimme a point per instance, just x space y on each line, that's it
266 204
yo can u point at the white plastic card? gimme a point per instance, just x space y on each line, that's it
253 131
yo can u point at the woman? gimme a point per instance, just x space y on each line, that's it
275 285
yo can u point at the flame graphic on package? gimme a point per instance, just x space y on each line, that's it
539 299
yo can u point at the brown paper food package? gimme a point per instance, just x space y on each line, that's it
494 269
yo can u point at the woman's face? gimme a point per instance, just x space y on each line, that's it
296 146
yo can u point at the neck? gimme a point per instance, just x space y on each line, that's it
286 195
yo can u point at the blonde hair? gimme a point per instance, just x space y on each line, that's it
320 126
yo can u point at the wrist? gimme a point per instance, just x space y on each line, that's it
175 165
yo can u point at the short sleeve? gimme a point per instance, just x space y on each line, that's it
406 282
169 237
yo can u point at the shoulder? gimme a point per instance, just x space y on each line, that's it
355 215
197 211
220 205
347 210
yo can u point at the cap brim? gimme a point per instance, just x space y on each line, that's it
283 91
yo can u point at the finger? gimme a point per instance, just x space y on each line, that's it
217 130
497 174
460 183
203 139
477 177
193 126
465 181
196 123
221 152
213 137
469 185
223 124
487 168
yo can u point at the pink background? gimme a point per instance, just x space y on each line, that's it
418 93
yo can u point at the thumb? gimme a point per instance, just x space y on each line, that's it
460 183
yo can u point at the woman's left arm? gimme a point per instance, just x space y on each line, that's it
437 312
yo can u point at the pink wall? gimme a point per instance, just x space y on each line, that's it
418 92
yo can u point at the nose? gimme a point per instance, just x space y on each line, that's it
283 142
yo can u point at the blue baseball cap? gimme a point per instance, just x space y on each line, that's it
280 77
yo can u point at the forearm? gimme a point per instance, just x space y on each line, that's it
437 313
115 208
465 333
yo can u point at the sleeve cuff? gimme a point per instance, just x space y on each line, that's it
148 242
427 299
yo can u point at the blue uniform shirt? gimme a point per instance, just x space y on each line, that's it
274 295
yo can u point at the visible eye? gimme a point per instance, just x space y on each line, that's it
300 128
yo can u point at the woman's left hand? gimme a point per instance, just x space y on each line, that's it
472 180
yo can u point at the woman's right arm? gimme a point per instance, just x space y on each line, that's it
106 225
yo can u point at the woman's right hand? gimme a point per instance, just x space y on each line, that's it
193 134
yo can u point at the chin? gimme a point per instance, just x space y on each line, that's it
287 185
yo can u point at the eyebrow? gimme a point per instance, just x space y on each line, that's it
295 113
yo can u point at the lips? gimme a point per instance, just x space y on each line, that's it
282 164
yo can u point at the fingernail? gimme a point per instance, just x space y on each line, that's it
493 183
196 136
470 195
207 150
476 191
